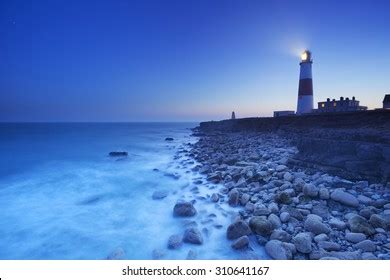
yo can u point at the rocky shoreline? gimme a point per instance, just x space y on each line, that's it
295 212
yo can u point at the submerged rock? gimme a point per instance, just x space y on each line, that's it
117 254
184 209
193 236
238 229
241 243
159 195
175 241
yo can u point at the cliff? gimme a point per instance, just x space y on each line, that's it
353 145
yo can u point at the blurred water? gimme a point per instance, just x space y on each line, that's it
62 197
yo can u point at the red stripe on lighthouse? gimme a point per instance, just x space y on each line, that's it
305 87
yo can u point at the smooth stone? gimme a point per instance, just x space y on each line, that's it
280 168
184 209
366 246
354 237
336 223
321 237
314 224
284 217
275 221
329 246
260 225
238 229
379 221
273 208
344 198
244 199
310 190
193 236
234 197
359 224
278 250
303 242
281 235
241 243
324 193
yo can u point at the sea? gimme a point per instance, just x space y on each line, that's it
62 197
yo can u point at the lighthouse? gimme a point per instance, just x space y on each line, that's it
305 90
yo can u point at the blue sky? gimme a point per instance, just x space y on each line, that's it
186 60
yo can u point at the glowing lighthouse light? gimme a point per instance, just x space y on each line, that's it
305 91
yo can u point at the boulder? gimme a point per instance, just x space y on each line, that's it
314 224
238 229
159 195
303 242
175 241
193 236
169 139
278 250
260 225
234 197
344 198
184 209
359 224
241 243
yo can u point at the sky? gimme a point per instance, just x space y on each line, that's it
183 60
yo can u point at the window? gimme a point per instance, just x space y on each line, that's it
322 105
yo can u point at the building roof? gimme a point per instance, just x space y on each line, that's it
386 99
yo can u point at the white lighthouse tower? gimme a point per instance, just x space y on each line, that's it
305 91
